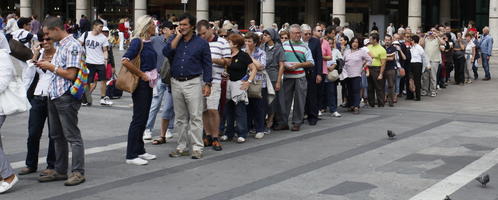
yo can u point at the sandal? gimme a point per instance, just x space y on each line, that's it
159 140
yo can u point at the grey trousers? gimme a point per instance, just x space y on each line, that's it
293 89
188 101
5 168
429 79
63 123
468 66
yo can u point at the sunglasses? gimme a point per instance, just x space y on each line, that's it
45 39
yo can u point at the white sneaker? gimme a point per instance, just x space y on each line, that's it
4 186
259 135
136 161
320 113
147 156
169 134
224 138
147 134
336 114
106 101
433 95
241 140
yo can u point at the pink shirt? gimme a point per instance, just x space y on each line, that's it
354 62
326 51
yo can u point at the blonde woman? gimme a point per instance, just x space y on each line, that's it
141 45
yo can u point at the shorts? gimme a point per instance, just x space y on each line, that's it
213 101
96 69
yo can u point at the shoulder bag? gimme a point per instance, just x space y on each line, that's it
127 81
13 100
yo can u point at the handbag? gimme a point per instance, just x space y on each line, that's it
127 81
254 90
14 99
333 75
19 51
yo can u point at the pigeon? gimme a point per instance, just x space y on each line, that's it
483 180
447 198
391 134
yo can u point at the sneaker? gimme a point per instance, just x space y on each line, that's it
196 154
433 95
75 178
259 135
252 131
241 140
4 186
52 175
336 114
26 170
320 113
177 153
224 138
169 134
147 134
137 161
147 156
86 104
216 145
106 101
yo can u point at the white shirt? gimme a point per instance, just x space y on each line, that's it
21 34
4 44
418 55
470 45
44 80
94 45
11 26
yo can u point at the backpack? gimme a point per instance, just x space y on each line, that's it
80 85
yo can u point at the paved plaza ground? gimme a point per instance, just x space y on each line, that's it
442 144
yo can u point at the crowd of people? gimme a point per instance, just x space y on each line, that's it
216 84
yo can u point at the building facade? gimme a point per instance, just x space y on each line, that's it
360 14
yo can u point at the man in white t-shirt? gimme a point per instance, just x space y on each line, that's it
96 44
24 34
220 55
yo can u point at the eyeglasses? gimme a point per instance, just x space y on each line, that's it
307 34
223 36
284 38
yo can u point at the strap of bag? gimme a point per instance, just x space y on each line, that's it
84 39
294 51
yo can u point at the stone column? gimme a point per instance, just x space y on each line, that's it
414 14
493 23
202 10
81 9
26 10
268 13
339 10
444 11
140 9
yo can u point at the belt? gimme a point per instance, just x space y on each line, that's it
41 98
186 78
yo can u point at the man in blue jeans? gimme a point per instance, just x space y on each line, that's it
162 92
486 46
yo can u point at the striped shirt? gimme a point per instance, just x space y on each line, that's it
69 53
302 50
219 49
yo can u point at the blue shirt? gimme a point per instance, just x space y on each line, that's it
486 45
159 42
148 57
190 58
69 54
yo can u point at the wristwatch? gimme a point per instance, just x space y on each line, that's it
250 81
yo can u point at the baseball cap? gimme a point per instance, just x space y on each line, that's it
105 29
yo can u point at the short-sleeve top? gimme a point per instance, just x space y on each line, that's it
391 64
378 53
239 65
148 57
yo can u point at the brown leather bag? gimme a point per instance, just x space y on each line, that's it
127 81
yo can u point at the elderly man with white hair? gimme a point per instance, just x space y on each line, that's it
297 58
486 46
313 75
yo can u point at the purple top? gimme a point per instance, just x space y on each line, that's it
354 62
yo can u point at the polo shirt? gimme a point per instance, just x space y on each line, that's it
378 53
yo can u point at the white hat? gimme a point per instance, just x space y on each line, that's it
105 29
366 41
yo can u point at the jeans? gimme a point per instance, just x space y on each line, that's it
142 99
162 96
331 88
5 168
37 116
236 112
256 112
354 85
63 126
485 65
